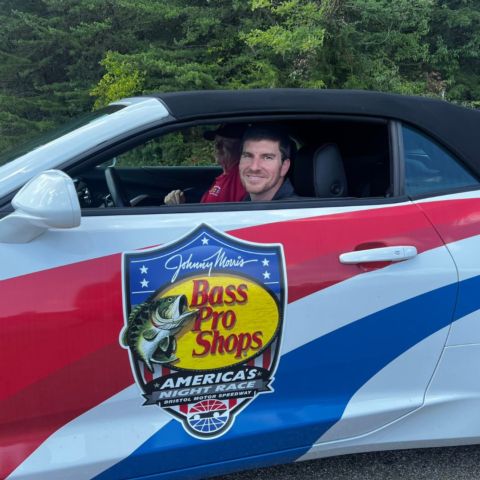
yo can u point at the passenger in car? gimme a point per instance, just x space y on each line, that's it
227 187
264 164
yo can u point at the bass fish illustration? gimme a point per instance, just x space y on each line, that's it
152 326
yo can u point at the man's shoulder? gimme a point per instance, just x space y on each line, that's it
286 192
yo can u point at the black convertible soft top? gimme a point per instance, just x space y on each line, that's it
453 126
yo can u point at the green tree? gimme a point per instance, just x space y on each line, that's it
123 79
455 50
56 62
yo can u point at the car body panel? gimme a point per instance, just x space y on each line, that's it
323 333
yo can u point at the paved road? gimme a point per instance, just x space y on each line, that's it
459 463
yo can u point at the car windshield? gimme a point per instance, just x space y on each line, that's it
47 137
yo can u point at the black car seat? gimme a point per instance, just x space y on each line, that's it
319 172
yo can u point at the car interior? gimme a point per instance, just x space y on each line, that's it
334 159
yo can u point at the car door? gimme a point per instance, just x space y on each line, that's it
356 342
447 192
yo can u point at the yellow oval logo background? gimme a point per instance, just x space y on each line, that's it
259 313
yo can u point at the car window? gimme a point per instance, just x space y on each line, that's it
47 137
333 158
429 167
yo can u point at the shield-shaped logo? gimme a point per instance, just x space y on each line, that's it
203 325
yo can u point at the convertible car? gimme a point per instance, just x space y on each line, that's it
141 340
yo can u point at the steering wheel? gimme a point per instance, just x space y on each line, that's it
114 184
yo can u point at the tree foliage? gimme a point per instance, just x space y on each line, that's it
58 61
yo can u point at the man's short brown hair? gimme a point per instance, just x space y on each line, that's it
272 133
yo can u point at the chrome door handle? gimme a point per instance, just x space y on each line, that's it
383 254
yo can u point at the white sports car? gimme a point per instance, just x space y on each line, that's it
142 340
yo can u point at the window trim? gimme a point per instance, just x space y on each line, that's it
397 171
442 193
241 206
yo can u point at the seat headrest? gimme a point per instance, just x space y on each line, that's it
319 172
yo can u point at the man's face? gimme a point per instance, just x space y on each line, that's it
261 168
227 151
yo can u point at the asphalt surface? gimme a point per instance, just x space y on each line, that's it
457 463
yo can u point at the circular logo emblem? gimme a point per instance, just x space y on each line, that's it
208 416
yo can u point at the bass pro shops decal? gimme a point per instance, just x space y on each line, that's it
203 325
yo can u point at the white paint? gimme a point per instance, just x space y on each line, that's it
466 330
465 254
94 441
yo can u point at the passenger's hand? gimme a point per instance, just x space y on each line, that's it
175 197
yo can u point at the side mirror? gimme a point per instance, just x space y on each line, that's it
47 201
